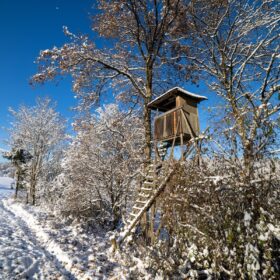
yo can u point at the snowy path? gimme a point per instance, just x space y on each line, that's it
38 245
21 255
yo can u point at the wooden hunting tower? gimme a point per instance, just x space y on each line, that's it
177 125
179 121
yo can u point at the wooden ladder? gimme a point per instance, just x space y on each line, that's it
145 192
152 187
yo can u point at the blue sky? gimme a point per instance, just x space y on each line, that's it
26 27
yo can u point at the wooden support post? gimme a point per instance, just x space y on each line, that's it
174 140
182 146
198 160
157 156
193 137
152 223
144 225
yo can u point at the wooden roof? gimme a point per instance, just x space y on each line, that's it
166 101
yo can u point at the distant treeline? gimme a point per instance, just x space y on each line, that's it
6 169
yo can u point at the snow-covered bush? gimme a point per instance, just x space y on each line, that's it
220 226
101 166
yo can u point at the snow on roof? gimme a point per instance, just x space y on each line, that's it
169 93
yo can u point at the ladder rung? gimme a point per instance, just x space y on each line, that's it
136 208
146 189
149 183
132 214
139 201
130 221
143 195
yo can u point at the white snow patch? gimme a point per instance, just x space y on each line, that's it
247 219
49 244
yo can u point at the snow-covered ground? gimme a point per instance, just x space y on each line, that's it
5 187
38 245
21 257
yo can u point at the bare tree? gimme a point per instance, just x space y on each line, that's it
141 62
37 130
236 47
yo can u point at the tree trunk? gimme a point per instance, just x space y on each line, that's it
148 136
248 161
147 111
33 191
248 174
33 196
17 181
